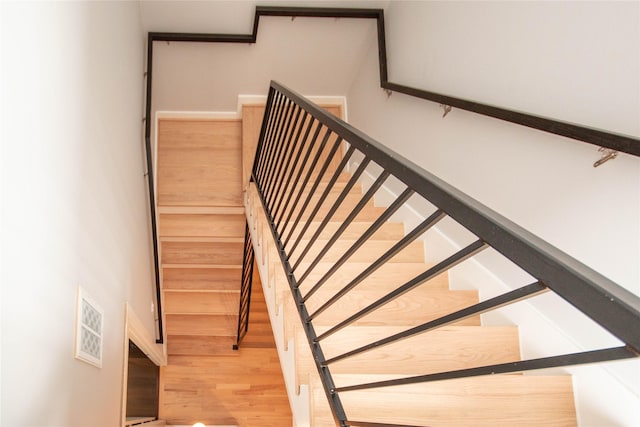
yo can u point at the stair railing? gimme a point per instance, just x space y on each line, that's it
245 288
606 140
298 173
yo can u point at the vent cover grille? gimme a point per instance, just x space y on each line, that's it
88 330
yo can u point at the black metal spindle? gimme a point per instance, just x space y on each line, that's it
316 183
287 168
270 176
323 371
393 251
267 142
347 221
297 165
269 156
285 143
264 131
292 206
245 288
330 185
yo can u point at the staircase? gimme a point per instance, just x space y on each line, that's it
201 234
201 231
496 400
369 332
392 342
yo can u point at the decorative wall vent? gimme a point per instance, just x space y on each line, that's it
89 325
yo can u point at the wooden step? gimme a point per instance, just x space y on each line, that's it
370 251
444 349
338 186
202 225
201 302
389 276
415 307
222 278
343 210
219 253
497 400
388 231
200 345
369 213
247 389
203 325
199 163
201 210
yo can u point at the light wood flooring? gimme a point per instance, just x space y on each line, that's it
243 387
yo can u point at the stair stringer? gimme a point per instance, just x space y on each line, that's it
274 284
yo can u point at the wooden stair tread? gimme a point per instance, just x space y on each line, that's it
369 213
202 225
370 251
212 277
201 210
413 308
205 239
220 253
497 400
388 276
197 302
202 324
200 265
388 231
200 345
207 291
446 348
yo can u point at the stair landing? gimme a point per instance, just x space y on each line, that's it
243 387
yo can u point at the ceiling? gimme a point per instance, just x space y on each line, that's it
314 56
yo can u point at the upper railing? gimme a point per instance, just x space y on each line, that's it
299 168
602 138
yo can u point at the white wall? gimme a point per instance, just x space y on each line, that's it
543 182
575 61
73 204
315 56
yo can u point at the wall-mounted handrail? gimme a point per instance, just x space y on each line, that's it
602 138
612 307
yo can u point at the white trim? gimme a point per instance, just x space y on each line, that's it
250 100
136 332
205 115
226 115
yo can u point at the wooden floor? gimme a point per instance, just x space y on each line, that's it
243 387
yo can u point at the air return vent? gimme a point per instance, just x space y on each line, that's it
89 324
